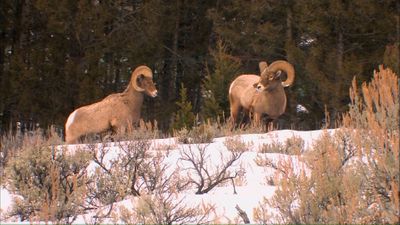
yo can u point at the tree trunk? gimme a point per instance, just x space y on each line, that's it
397 44
174 61
340 51
17 32
290 48
289 18
289 44
3 44
338 76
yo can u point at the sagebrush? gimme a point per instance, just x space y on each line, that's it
352 176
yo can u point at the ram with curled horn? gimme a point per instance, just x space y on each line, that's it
264 94
117 112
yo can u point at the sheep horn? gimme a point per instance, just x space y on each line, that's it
262 66
285 66
141 70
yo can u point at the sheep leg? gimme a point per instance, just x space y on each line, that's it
271 124
118 127
245 118
69 139
107 135
257 119
121 129
235 110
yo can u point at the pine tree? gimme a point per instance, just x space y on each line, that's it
216 84
56 56
391 57
184 117
328 42
340 39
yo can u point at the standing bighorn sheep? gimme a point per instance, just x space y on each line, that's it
264 94
117 111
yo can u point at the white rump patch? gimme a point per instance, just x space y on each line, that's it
230 87
70 119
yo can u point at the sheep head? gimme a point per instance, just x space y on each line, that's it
142 81
270 76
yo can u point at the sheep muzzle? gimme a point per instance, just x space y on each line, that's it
259 87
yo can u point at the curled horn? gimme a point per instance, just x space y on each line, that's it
285 66
141 70
262 66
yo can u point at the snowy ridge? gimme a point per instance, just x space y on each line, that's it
249 194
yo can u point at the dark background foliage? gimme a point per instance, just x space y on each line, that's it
56 56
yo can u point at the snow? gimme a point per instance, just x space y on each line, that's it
250 193
301 109
5 201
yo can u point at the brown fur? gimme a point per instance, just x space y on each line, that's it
117 111
258 95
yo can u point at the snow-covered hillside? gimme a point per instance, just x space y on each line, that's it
251 184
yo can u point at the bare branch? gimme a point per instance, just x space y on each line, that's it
243 214
207 176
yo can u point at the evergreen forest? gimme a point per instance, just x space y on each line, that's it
56 56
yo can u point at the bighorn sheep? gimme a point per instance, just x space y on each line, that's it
117 111
264 94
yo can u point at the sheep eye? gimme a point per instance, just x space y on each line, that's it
140 78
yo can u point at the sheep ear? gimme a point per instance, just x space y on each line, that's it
137 83
139 79
278 73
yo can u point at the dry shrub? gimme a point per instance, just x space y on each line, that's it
207 131
143 130
9 144
292 146
235 144
12 142
353 175
323 193
50 182
134 171
223 128
240 180
373 125
159 199
123 175
182 135
165 208
274 147
204 133
166 148
263 161
204 173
